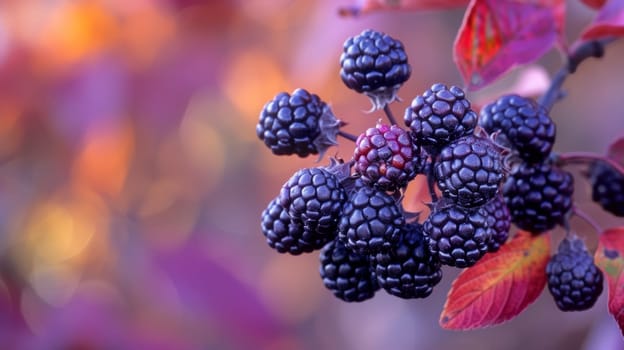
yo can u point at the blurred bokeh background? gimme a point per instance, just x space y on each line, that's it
132 181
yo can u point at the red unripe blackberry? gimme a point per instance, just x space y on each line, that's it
300 124
408 270
439 116
574 281
607 188
457 236
371 221
375 64
469 171
386 157
498 222
315 197
526 126
347 274
286 235
538 196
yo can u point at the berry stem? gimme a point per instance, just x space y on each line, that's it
431 184
566 223
347 135
389 114
586 158
588 219
593 48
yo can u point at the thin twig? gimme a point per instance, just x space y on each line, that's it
586 158
347 135
431 184
588 219
566 223
594 48
389 114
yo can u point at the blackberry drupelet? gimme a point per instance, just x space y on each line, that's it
607 188
573 279
375 64
300 124
286 235
457 236
498 222
315 197
439 116
469 171
538 196
386 157
408 270
371 221
347 274
526 126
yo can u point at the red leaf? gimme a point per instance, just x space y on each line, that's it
500 285
497 35
616 151
367 6
610 259
608 22
531 81
595 4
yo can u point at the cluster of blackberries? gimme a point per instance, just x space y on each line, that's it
352 212
538 195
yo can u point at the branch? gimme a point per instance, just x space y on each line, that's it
431 183
587 158
585 50
347 135
588 219
389 114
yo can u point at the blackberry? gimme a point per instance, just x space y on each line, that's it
457 236
607 188
526 127
286 235
371 221
538 196
573 279
469 171
315 197
347 274
300 124
375 64
439 116
498 222
386 157
408 270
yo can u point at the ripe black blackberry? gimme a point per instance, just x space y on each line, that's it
607 188
469 171
315 197
439 116
371 221
498 222
538 196
286 235
386 157
300 124
375 64
408 270
526 127
347 274
456 235
573 279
